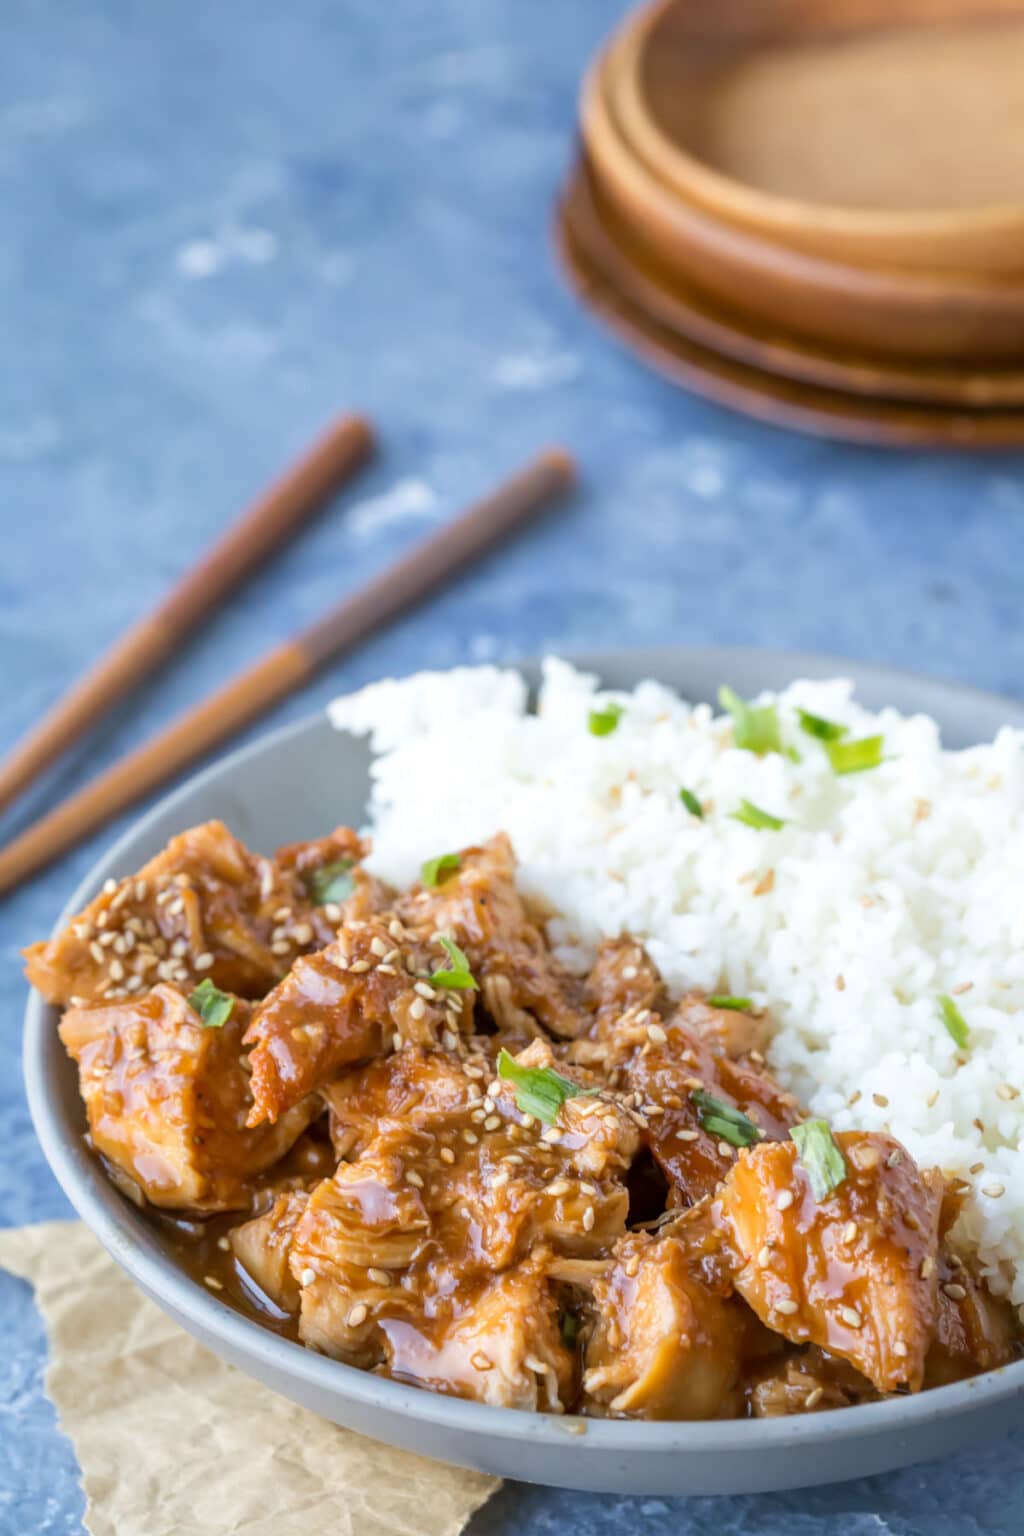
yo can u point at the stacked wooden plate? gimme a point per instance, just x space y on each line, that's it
813 210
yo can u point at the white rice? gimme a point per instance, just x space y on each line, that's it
891 887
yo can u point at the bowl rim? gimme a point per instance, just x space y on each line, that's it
135 1245
728 196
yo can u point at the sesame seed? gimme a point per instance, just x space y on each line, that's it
447 1155
955 1291
656 1035
470 1138
927 1267
413 1178
480 1361
492 1122
176 907
993 1191
894 1159
900 1349
588 1219
559 1187
1006 1092
179 948
866 1157
396 1041
449 1041
307 1277
932 1099
629 973
784 1200
332 912
477 1117
96 952
109 887
358 1314
851 1317
417 1008
850 1232
391 956
282 914
141 890
212 1282
500 1179
396 930
281 947
551 1136
359 966
814 1397
726 1149
378 947
961 987
224 1244
976 1168
786 1307
764 1257
378 1276
134 984
425 991
881 1100
302 933
204 961
687 1135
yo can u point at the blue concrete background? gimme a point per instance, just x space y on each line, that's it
223 224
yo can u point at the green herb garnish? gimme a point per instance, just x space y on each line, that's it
212 1005
956 1024
817 1150
733 1004
752 816
817 725
539 1091
457 974
724 1121
755 727
603 721
570 1330
435 871
332 882
692 804
855 756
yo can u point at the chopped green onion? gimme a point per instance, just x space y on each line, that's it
570 1330
817 725
792 754
212 1005
724 1121
755 727
332 882
603 721
956 1024
817 1150
692 804
539 1091
855 756
734 1004
436 871
752 816
457 973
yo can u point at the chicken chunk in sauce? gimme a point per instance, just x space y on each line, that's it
408 1136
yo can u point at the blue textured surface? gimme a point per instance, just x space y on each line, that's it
224 223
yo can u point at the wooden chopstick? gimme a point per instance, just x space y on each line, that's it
261 528
432 561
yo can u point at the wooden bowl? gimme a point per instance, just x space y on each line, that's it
877 132
779 401
869 311
680 307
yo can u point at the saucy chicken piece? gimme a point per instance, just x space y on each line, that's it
168 1099
734 1033
854 1272
623 977
437 1202
363 995
479 906
974 1330
263 1246
667 1339
662 1064
205 906
806 1381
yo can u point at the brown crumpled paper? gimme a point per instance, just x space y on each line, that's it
171 1439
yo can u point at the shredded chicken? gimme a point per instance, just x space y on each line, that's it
168 1100
433 1153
